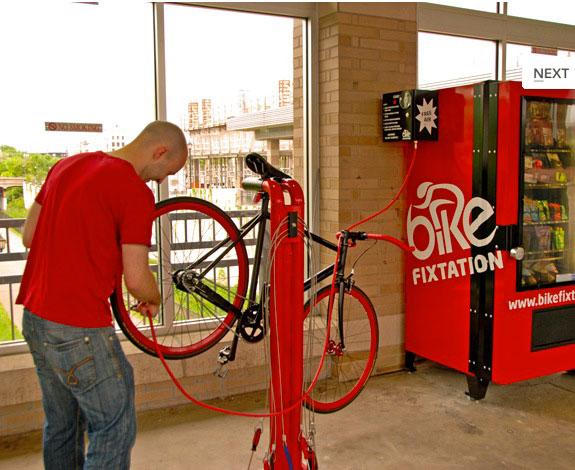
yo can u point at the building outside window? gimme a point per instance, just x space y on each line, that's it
228 95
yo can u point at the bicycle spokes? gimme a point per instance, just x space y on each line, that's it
195 315
345 370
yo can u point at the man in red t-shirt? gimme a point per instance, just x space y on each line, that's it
90 223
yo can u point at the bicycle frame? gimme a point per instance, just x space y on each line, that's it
260 222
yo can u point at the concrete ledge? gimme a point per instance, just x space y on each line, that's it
20 397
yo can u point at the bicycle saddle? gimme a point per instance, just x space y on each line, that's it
262 167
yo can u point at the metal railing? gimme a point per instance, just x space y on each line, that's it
12 262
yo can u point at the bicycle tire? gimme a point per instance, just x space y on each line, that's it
196 325
343 374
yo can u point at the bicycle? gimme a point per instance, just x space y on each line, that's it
207 293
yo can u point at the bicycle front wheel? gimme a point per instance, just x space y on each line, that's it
188 233
347 367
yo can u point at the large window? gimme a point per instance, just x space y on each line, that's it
457 46
446 61
70 63
229 84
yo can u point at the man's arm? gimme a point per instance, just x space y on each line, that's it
138 277
30 224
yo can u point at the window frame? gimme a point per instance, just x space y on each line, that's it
499 27
305 11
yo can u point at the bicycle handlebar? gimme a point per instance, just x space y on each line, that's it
252 183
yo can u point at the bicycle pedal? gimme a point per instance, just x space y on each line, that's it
224 355
221 371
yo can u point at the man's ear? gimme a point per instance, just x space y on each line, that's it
159 151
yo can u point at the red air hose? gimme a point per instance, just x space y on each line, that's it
180 387
396 197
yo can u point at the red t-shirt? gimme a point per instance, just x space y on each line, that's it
92 203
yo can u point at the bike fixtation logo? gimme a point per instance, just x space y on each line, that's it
448 221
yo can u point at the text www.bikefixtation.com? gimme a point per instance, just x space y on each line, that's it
542 299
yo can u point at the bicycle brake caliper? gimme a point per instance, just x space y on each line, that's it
334 349
331 347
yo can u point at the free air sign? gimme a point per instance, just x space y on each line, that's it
410 115
72 127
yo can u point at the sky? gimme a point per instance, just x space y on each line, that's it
61 61
70 62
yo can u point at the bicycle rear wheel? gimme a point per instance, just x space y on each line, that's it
345 371
185 230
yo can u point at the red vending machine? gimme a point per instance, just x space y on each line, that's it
490 287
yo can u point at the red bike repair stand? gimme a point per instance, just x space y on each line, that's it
286 323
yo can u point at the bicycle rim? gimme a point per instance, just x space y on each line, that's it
185 229
344 372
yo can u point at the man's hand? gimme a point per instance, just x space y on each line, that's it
146 308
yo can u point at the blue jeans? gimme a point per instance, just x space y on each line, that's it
87 384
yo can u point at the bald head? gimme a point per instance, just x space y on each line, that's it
163 133
158 151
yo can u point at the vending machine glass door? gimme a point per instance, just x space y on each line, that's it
547 204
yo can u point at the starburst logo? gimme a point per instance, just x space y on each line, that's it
426 116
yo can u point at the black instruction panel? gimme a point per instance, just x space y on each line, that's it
410 115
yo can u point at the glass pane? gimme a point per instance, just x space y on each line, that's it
446 61
557 12
516 54
549 193
72 63
229 86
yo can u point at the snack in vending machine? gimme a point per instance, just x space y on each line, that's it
559 238
554 160
561 177
561 137
555 211
529 177
529 240
546 134
528 210
545 272
543 236
543 176
543 210
528 277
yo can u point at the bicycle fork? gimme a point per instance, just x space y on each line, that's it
344 284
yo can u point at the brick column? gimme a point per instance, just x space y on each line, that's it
362 56
298 109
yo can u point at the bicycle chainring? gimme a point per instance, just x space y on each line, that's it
251 326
